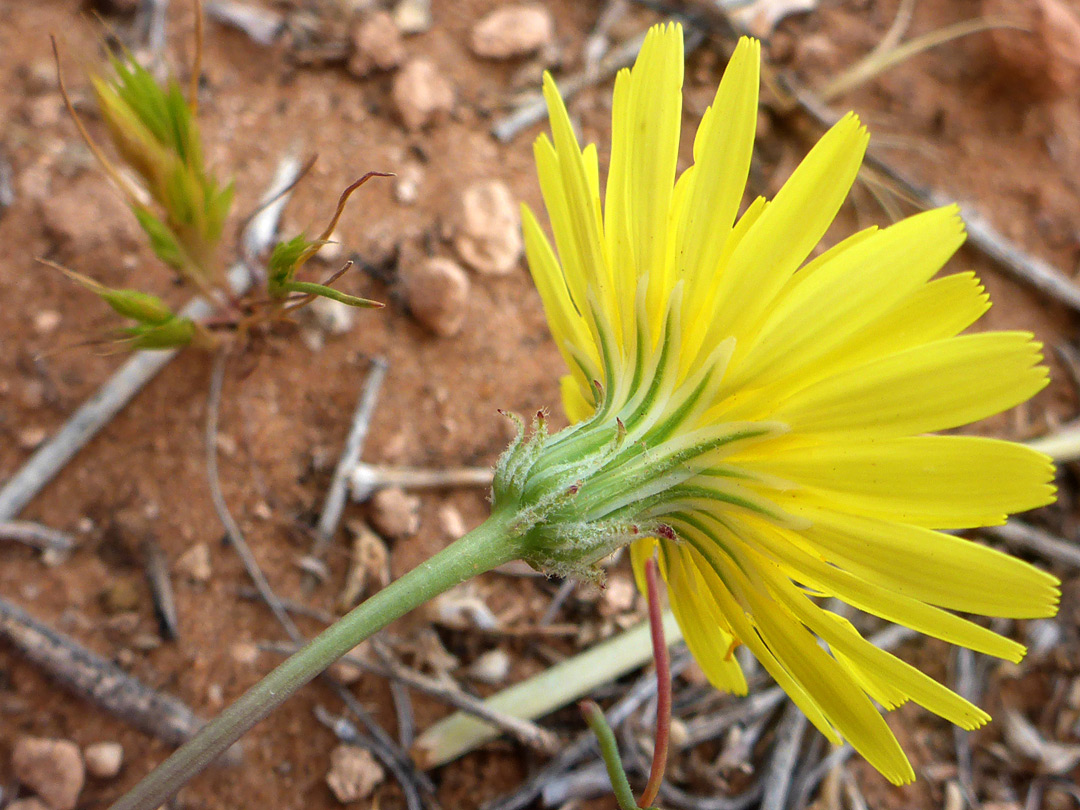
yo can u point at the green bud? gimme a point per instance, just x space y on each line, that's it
162 240
170 334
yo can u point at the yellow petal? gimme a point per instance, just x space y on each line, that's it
722 150
941 482
788 229
930 566
871 598
852 290
705 631
932 387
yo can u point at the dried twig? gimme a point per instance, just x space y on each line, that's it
778 776
37 536
129 379
92 678
7 187
365 479
157 574
296 608
967 687
1021 536
350 456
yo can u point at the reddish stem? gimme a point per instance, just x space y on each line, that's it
663 686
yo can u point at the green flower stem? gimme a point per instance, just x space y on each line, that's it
609 752
491 544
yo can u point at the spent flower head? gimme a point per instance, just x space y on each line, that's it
765 420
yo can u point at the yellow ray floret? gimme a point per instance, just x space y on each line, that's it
765 420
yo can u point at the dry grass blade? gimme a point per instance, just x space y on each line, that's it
879 60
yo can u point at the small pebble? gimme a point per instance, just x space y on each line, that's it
244 653
407 186
120 596
413 16
513 30
436 291
30 438
421 93
104 759
53 769
395 513
194 564
46 321
492 667
617 596
487 234
376 45
451 521
353 773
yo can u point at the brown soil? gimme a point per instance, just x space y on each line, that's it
957 118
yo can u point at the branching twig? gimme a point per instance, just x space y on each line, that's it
788 740
354 445
37 536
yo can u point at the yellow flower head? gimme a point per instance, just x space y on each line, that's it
763 419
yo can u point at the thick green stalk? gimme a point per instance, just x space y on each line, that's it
489 545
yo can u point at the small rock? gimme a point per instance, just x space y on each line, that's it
436 291
332 317
120 596
487 234
413 16
407 186
395 513
617 596
104 759
451 521
244 653
513 30
376 45
195 564
353 773
46 321
492 667
29 438
369 569
421 93
1046 55
53 769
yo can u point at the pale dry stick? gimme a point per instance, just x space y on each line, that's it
1061 445
366 479
788 740
337 493
37 536
968 688
133 375
1020 536
834 759
262 25
296 608
381 744
98 681
7 187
